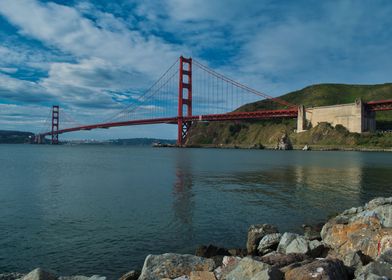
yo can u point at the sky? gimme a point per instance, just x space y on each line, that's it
91 56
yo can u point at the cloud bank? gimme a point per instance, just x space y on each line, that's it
92 56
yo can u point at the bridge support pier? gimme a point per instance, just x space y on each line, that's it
55 124
301 119
184 99
38 139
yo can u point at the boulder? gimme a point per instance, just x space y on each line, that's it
39 274
74 277
293 243
250 269
81 277
173 265
306 148
132 275
355 260
268 243
211 251
367 229
291 266
202 275
317 249
269 274
228 264
237 252
381 267
325 269
255 234
312 232
281 260
11 276
97 277
230 261
284 143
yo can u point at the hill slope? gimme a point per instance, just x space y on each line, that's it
15 137
266 132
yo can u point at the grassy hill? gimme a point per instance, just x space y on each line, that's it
266 132
15 137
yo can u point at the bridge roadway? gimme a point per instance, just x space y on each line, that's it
379 105
257 115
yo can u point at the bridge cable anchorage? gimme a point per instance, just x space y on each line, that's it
244 87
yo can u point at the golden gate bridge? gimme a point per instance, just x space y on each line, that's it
189 92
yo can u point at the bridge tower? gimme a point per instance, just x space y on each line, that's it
184 98
55 124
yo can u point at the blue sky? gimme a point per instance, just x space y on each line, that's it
81 54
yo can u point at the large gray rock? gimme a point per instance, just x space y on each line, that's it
268 242
228 264
293 243
269 274
382 267
173 265
284 143
355 260
255 234
250 269
367 229
312 232
322 269
81 277
39 274
317 249
74 277
281 260
11 276
131 275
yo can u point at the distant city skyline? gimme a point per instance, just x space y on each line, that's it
91 56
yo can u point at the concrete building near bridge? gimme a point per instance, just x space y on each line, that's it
354 116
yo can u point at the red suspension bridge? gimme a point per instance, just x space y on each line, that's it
188 92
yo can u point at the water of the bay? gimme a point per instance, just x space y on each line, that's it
102 209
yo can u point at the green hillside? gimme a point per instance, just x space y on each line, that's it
15 137
327 94
266 132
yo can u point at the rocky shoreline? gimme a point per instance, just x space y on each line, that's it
294 147
356 244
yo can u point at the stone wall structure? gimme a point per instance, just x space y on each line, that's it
354 116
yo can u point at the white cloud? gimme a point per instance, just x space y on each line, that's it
8 70
13 89
65 28
96 59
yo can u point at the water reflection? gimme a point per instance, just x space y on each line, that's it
183 203
294 186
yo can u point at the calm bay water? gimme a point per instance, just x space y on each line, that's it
102 209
